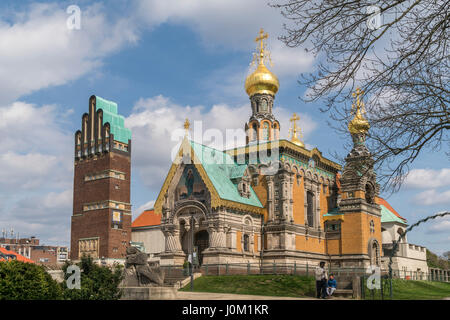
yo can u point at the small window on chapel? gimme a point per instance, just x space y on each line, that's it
372 226
246 242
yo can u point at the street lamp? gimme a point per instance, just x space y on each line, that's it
192 252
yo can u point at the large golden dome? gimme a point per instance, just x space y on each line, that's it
261 81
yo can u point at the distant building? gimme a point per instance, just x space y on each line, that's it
31 249
146 233
410 260
7 255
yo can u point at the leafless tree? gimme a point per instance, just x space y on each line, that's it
397 52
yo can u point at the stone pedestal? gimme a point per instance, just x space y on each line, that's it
149 293
172 258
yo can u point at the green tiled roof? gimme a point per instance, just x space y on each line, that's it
333 212
238 171
220 168
388 216
116 121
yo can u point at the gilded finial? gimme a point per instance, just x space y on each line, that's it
186 126
294 129
260 39
359 123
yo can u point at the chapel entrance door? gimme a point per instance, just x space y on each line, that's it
201 242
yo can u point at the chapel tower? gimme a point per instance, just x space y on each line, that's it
101 220
261 86
361 230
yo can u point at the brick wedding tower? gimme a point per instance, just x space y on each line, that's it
101 220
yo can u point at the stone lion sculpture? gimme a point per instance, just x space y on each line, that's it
138 273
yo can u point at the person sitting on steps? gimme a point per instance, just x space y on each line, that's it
331 286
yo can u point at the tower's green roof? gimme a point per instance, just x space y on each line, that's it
116 121
221 168
388 216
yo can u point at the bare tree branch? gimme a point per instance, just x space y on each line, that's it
402 66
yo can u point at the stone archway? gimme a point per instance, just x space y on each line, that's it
191 219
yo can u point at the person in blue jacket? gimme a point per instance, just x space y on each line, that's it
331 285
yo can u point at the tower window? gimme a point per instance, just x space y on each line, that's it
263 105
372 226
370 194
265 133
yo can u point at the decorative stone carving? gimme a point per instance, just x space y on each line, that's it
172 236
217 237
138 273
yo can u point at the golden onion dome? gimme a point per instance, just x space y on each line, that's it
261 81
359 124
298 142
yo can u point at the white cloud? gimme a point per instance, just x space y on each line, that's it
157 126
432 197
38 50
145 206
428 178
37 152
440 226
233 24
35 171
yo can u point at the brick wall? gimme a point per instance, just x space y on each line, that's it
98 222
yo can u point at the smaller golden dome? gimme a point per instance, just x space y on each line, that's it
261 81
298 142
359 124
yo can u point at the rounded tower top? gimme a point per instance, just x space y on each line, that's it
261 80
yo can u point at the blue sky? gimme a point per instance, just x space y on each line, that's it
161 61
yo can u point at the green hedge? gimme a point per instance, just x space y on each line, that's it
27 281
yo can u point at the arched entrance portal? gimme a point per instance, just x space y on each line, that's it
201 242
194 237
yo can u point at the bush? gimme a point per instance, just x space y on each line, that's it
97 282
26 281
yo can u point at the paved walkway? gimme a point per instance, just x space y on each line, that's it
183 295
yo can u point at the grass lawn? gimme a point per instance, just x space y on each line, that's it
415 290
263 285
302 286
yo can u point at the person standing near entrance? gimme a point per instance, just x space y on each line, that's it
321 280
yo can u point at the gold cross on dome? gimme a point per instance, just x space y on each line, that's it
359 104
186 125
260 39
294 118
294 129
